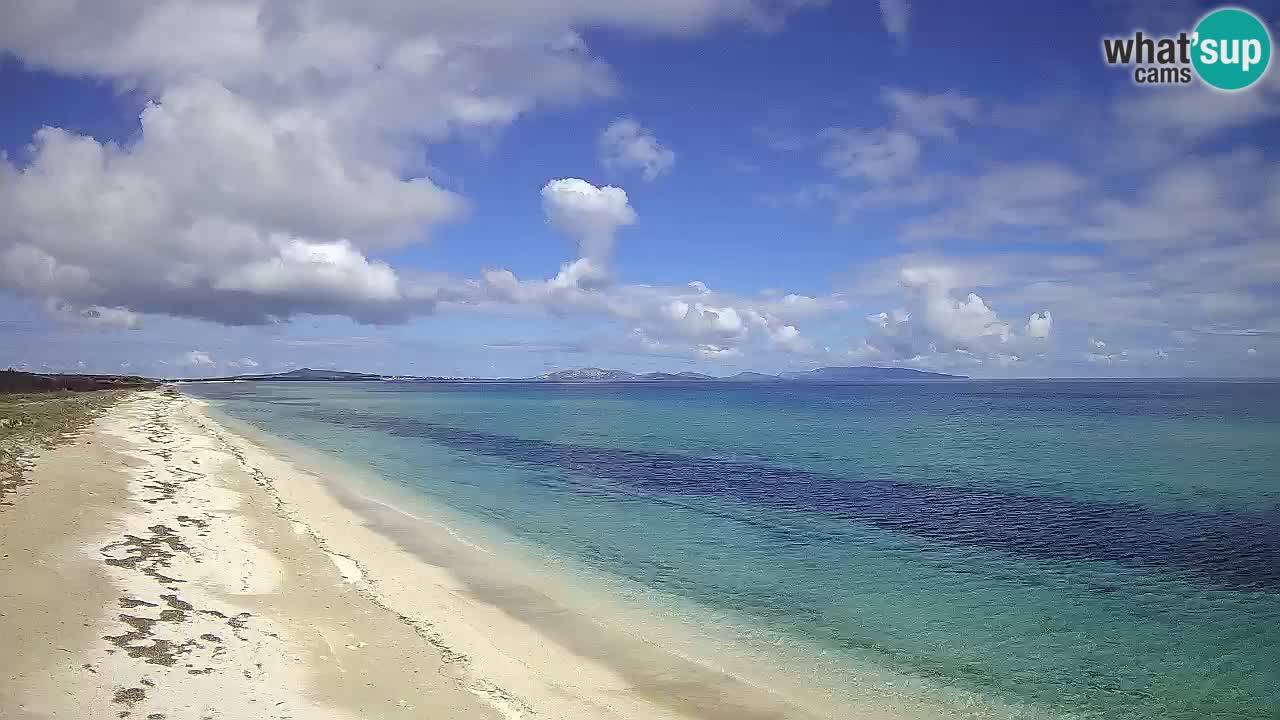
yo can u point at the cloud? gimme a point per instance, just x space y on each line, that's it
589 215
640 342
283 158
281 147
537 346
883 320
157 43
896 15
1107 358
788 338
718 352
1190 243
24 267
1196 303
1199 112
1009 197
699 320
877 155
930 115
626 145
313 274
290 169
1199 201
176 224
643 343
961 320
943 323
886 159
1039 324
95 316
196 359
685 314
1185 251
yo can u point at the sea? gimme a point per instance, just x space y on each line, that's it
1048 549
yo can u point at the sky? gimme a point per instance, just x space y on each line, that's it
501 188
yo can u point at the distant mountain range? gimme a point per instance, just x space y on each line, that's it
601 375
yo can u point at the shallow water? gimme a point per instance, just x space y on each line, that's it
1074 549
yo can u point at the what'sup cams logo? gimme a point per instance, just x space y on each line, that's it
1229 49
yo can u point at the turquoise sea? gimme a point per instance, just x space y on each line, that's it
1076 549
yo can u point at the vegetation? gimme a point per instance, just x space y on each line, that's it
15 381
41 411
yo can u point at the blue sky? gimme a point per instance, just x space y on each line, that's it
718 185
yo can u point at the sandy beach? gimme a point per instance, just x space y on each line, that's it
163 566
148 573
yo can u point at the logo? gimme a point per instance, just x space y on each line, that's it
1229 49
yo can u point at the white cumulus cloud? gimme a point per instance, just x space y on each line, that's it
589 215
281 146
1039 324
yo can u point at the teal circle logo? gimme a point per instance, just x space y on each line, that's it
1231 49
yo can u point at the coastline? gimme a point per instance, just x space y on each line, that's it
528 653
235 577
560 640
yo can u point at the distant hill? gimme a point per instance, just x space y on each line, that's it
836 374
16 381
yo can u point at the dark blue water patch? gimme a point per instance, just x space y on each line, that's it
1240 550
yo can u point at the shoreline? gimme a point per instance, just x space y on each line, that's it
541 656
560 627
213 561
